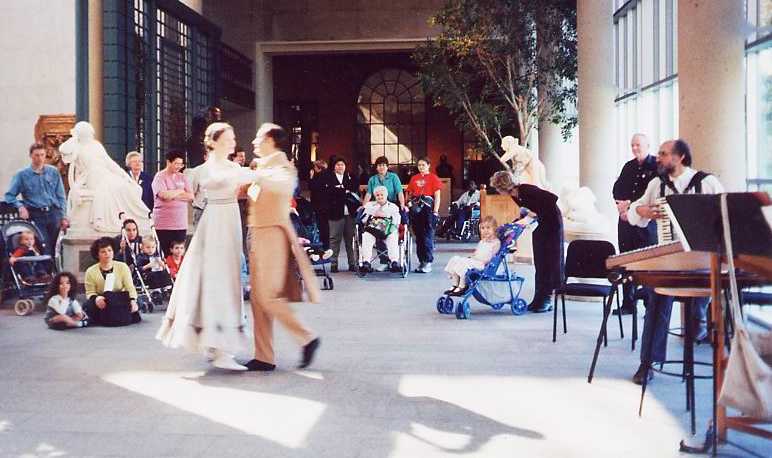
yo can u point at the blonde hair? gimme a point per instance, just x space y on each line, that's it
504 181
213 133
490 221
131 155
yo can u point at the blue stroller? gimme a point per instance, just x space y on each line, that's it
306 225
494 285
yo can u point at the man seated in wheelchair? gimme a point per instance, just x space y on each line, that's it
152 267
30 271
380 221
458 266
461 210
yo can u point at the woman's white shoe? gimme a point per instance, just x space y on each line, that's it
226 361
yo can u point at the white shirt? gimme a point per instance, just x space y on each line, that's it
339 176
467 199
387 210
61 304
710 185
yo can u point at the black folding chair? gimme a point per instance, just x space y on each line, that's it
586 259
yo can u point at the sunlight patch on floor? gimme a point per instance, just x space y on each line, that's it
248 411
510 411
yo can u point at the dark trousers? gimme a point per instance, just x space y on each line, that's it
548 256
324 229
657 322
117 313
49 224
632 238
423 228
167 237
462 214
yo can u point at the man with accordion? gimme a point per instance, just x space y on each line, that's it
676 176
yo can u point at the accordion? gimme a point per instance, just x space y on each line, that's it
379 226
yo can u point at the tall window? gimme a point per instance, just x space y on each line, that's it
391 118
159 71
759 95
645 42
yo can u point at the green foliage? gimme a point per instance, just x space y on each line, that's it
500 66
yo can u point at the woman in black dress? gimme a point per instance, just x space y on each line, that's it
547 238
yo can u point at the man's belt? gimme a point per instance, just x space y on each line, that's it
40 209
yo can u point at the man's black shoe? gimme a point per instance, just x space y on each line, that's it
257 365
638 376
308 353
624 310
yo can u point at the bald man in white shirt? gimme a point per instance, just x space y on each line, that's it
676 176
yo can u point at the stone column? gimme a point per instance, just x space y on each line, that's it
597 158
95 67
711 85
263 86
550 149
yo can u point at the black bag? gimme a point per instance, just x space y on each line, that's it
421 203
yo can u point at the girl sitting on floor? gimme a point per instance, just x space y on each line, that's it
63 311
458 266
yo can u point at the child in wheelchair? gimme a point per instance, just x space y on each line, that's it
458 266
380 221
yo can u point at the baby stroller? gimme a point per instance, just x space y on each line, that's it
405 244
493 285
307 226
153 286
30 288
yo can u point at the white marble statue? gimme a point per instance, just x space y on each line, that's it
529 168
580 216
100 190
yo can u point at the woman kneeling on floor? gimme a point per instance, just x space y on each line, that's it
112 297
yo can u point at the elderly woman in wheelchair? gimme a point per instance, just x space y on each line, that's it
379 220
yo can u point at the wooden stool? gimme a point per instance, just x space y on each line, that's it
687 363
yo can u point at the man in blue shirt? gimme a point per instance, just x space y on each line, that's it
42 191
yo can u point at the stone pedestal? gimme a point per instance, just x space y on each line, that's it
76 255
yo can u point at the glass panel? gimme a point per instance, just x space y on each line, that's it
376 113
390 109
376 133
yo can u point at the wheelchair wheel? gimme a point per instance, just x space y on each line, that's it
519 306
355 245
23 307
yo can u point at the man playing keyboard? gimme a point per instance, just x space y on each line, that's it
676 176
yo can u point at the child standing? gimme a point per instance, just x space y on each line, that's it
458 266
63 311
174 260
31 272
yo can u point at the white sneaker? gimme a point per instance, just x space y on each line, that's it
427 268
382 268
226 361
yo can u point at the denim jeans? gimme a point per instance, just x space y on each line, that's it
49 223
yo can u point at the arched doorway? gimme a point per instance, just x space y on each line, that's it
391 118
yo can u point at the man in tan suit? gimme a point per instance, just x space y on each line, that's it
274 255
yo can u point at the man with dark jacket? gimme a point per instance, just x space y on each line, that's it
342 195
629 187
